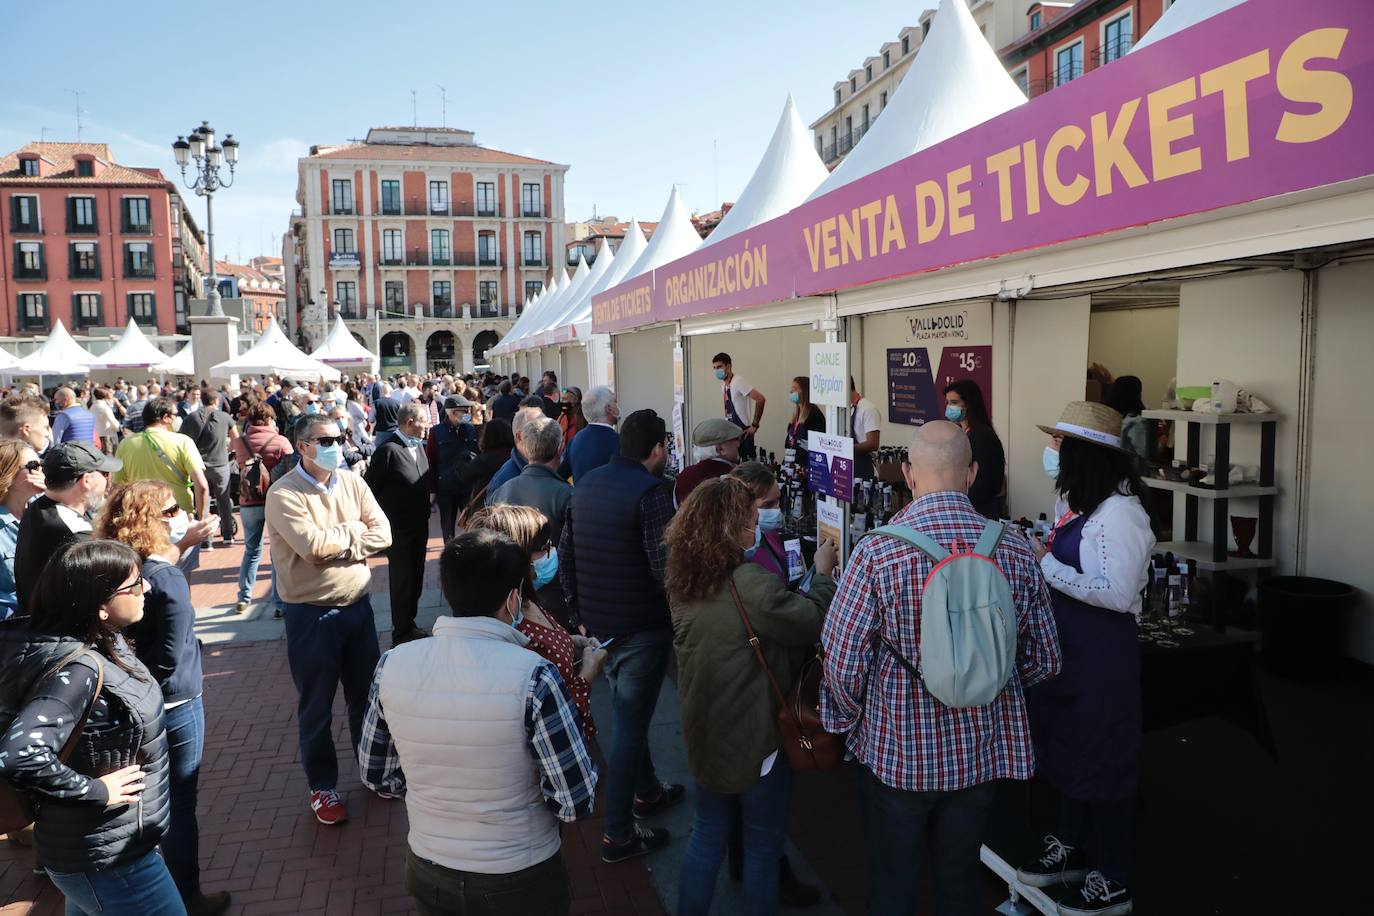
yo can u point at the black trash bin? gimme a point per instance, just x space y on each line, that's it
1301 617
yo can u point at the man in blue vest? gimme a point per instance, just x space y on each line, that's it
612 559
71 421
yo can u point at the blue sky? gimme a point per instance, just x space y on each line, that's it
631 95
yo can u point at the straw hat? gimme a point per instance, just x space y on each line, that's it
1089 422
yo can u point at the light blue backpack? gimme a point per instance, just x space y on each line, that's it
968 619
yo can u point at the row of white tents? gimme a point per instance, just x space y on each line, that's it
955 83
271 354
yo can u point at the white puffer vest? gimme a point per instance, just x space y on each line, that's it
455 705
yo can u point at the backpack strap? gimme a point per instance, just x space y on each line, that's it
918 539
992 536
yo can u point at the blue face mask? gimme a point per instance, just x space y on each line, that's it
794 398
720 375
758 539
519 617
329 457
412 441
770 519
954 414
1051 462
312 407
545 568
343 425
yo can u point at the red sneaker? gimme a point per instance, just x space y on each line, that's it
328 807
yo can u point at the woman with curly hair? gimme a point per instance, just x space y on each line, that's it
729 711
530 529
145 515
21 479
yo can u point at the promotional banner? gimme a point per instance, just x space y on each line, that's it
830 466
829 522
830 374
948 344
1263 99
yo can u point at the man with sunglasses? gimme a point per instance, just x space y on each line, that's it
77 476
323 523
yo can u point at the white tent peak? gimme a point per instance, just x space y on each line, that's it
272 353
674 238
539 320
183 362
133 350
570 306
518 328
631 247
1183 14
788 172
59 355
956 82
341 347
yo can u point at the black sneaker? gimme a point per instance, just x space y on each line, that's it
669 794
1098 895
641 842
1058 864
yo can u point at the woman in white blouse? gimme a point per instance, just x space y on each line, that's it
1086 723
106 425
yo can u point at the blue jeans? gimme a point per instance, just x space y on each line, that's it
763 808
185 745
254 519
324 647
635 669
142 887
899 825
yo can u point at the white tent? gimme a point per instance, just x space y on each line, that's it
341 348
956 82
630 250
788 172
59 355
551 316
274 354
605 261
1183 14
183 362
540 314
522 323
674 238
132 351
8 361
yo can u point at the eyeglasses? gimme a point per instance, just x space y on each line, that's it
329 441
32 466
171 511
138 587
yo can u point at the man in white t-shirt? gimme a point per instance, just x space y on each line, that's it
865 429
736 395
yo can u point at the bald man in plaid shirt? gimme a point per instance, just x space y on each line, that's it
927 770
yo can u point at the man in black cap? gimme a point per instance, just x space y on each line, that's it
452 444
77 475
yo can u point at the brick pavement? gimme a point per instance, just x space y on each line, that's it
260 840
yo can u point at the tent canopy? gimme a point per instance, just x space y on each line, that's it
341 348
8 361
540 314
788 172
1183 15
674 238
956 82
573 304
132 351
522 323
59 355
274 354
182 363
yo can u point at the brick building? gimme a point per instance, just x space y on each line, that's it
86 240
586 239
263 296
440 240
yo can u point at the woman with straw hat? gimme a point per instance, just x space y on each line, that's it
1086 723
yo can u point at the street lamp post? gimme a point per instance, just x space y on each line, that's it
208 157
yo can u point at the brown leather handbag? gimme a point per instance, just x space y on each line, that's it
16 808
806 744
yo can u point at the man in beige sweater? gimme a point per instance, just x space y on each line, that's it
324 523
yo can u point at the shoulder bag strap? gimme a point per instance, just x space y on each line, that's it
754 644
70 747
148 437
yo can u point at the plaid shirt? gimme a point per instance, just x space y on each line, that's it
567 774
905 736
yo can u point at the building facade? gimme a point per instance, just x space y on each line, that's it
263 296
188 262
86 240
423 238
587 239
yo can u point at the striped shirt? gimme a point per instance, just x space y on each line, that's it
909 739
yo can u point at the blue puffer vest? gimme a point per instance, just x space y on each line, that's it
70 836
453 447
617 593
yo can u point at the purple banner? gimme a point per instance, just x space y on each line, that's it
1264 99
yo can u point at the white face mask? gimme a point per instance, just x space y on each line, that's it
178 525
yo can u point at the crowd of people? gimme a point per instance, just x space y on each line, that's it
571 552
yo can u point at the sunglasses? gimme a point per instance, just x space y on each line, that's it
171 511
329 441
32 466
138 587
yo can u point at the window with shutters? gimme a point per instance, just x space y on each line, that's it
138 259
137 219
28 167
33 311
85 168
81 214
84 261
24 214
29 263
143 308
86 310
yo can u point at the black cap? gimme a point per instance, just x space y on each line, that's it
66 462
456 402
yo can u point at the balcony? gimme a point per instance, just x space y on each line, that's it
75 228
348 311
391 261
128 228
30 271
436 209
532 212
393 209
488 310
487 212
442 308
488 260
340 210
134 271
78 272
533 262
1112 50
38 322
441 260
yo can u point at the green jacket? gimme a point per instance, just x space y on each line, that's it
729 712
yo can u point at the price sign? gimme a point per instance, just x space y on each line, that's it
830 469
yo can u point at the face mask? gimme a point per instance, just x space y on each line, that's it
312 407
954 414
758 539
178 525
1051 462
546 568
794 398
770 519
412 441
343 425
720 375
328 457
519 617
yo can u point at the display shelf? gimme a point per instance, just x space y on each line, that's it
1211 419
1201 553
1237 492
